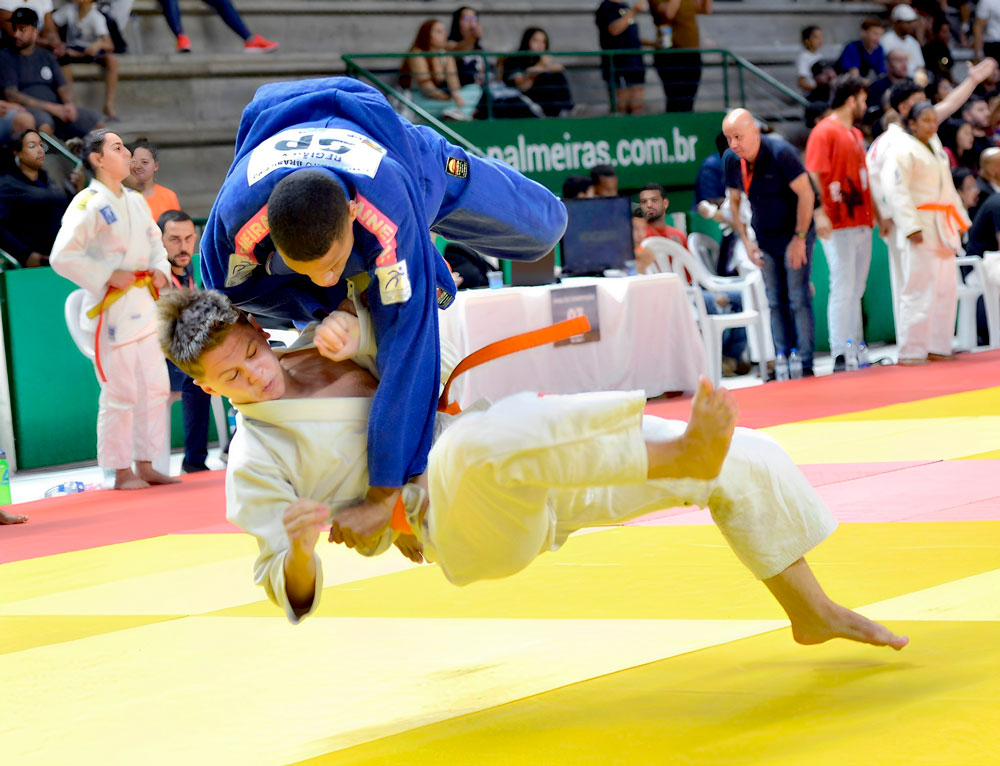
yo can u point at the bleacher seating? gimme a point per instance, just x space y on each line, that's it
190 104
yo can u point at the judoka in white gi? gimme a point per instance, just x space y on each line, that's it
930 219
109 242
505 482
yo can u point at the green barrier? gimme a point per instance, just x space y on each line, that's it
53 389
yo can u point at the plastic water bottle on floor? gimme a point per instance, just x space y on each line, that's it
231 420
71 488
4 479
851 355
863 361
794 365
781 367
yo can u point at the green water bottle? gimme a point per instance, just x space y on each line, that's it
4 479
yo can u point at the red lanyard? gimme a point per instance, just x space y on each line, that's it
747 175
177 282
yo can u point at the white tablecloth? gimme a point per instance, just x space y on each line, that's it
649 340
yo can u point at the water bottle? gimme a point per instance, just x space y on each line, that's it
781 367
863 361
665 37
71 488
5 479
231 419
794 365
851 355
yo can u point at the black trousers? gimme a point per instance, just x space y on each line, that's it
681 76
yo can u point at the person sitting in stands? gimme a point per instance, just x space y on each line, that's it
540 77
31 206
432 81
251 43
144 168
88 41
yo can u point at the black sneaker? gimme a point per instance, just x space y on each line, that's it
840 363
191 468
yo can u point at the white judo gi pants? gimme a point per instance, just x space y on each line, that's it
849 256
928 300
514 481
132 413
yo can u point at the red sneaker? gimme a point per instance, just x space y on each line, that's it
183 44
258 44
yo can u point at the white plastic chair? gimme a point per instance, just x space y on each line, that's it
706 248
971 288
672 256
85 343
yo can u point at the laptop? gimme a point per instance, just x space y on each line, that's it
529 274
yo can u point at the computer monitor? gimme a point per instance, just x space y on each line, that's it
531 273
598 235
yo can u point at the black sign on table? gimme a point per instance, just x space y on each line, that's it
569 302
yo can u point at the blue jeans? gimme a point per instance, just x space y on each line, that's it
790 301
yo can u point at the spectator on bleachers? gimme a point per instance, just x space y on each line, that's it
618 30
539 76
812 41
985 226
88 41
252 43
937 53
604 180
956 138
432 82
967 188
33 78
938 90
677 26
145 164
896 68
989 172
977 113
865 57
31 206
180 241
900 37
14 119
465 35
578 187
653 203
986 29
823 75
48 32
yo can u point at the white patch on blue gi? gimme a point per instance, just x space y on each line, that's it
393 283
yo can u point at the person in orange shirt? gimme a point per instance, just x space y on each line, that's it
144 166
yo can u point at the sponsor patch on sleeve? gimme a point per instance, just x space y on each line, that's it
108 214
456 167
393 283
83 198
240 268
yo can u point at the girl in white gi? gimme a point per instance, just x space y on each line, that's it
110 246
930 218
505 483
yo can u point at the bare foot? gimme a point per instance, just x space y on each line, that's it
146 472
11 518
816 618
125 479
841 622
701 450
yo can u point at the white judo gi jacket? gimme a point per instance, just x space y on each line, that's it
100 233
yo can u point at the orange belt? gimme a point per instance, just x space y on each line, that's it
142 279
531 339
950 213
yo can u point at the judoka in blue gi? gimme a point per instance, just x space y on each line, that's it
329 184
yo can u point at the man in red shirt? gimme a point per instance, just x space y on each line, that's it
654 203
835 158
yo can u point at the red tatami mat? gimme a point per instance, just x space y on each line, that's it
796 400
106 517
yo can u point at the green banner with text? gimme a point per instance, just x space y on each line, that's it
663 148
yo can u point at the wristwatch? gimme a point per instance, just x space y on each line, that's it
801 234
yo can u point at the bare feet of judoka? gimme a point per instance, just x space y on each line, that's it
815 618
701 450
146 472
10 518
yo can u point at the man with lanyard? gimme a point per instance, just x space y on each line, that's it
768 170
331 186
179 239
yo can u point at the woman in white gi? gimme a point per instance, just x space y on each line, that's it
110 246
930 218
505 483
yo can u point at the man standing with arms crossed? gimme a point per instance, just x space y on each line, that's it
768 170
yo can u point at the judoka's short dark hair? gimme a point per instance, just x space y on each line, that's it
307 212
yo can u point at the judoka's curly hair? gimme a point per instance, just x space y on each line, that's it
193 322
